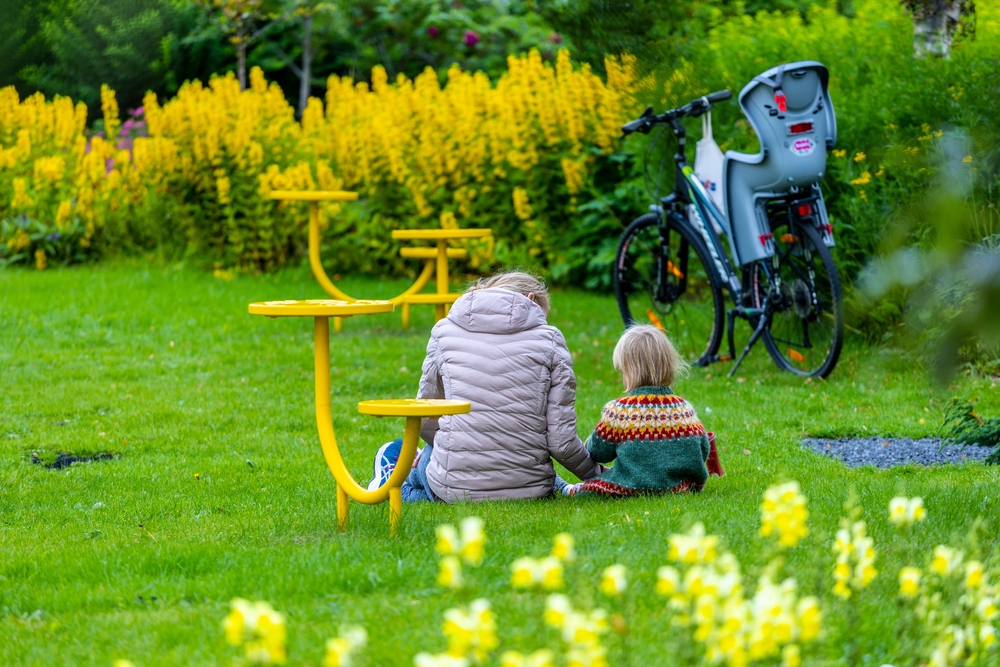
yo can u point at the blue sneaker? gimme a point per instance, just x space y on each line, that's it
385 463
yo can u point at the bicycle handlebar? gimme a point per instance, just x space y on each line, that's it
694 108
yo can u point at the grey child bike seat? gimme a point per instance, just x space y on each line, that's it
790 110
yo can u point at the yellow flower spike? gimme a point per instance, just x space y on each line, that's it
563 547
973 574
473 540
540 658
614 580
987 609
810 618
450 572
448 542
550 573
897 510
909 582
839 153
783 511
667 581
523 572
945 560
791 656
859 156
557 610
512 659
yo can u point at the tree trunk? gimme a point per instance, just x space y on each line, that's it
933 32
305 76
241 64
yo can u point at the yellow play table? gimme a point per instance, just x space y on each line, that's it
321 310
438 259
435 259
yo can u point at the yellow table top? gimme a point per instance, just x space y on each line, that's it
414 407
319 308
313 195
438 234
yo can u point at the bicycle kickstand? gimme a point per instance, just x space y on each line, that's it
765 318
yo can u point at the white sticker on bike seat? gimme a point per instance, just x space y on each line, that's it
802 146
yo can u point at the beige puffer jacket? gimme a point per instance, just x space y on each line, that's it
496 351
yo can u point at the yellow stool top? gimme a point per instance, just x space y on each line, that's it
414 407
313 195
439 234
319 308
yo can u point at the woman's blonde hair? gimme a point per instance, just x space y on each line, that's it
646 357
516 281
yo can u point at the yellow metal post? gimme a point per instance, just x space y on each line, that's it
442 277
343 508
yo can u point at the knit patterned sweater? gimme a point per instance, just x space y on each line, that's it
656 440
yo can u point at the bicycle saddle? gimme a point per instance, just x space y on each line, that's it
790 110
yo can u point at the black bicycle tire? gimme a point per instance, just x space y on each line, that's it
683 228
830 362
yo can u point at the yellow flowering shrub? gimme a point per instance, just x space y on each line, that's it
516 155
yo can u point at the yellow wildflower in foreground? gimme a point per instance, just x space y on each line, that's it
546 573
468 541
856 554
946 560
439 660
906 511
783 512
448 542
909 582
473 540
450 574
540 658
340 651
614 580
259 628
471 632
693 547
562 547
557 608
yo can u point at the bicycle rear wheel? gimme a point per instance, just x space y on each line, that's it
662 276
807 330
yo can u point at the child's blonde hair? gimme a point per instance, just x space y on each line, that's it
646 357
516 281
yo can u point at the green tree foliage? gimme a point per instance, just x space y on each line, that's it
131 45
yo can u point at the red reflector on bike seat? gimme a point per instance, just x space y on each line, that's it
799 128
780 100
764 238
805 209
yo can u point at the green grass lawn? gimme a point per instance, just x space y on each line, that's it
220 489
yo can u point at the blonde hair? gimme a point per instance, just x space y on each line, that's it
646 357
516 281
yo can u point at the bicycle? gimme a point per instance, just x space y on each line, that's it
671 264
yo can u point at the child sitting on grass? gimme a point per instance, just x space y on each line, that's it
655 438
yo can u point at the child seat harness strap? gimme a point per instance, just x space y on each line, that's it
775 83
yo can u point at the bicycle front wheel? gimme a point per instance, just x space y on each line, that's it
663 277
807 329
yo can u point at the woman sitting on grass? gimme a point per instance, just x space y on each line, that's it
655 438
495 350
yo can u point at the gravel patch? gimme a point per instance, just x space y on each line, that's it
888 452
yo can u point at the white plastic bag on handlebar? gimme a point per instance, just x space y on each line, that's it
708 163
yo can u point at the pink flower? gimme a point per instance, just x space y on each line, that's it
432 32
471 38
555 38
